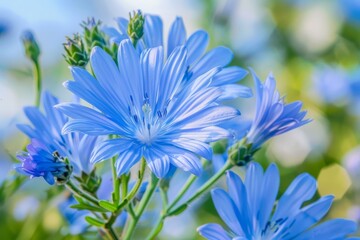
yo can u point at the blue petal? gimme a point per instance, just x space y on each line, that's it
270 188
213 231
188 163
229 75
123 24
158 162
237 192
300 190
87 115
128 158
172 74
253 182
109 148
232 91
217 57
332 230
195 146
210 116
106 72
129 66
151 64
196 45
227 210
153 30
177 35
310 215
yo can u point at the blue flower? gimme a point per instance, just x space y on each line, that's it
272 117
43 161
247 209
142 100
45 133
198 60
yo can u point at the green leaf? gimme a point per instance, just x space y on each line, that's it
82 206
108 205
178 210
94 221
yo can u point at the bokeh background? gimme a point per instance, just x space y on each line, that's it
311 46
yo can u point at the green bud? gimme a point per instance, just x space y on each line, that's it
92 34
75 52
136 26
89 181
241 153
220 147
32 50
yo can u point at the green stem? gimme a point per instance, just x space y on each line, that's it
142 205
138 183
130 196
209 183
37 78
110 233
186 187
116 183
77 191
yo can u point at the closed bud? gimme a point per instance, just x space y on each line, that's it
93 36
136 26
75 52
220 147
32 49
240 153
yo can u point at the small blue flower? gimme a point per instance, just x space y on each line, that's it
248 209
46 132
272 117
43 161
198 60
142 100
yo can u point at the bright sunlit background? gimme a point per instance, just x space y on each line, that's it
311 46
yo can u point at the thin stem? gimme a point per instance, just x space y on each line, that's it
164 198
130 196
111 233
138 183
116 183
77 191
141 207
209 183
186 187
37 78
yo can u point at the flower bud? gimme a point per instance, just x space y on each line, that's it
32 50
136 26
92 34
240 153
76 54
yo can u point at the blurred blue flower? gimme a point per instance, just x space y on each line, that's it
331 84
247 209
272 117
42 161
198 61
351 10
142 100
46 130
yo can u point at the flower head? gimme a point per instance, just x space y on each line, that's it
142 100
273 117
42 161
248 209
46 132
